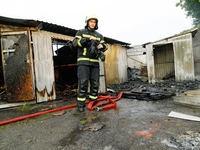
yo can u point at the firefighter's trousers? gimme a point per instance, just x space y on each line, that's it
87 73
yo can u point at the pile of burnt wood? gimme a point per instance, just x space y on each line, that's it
145 91
68 91
147 96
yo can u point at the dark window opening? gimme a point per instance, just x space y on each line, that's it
65 69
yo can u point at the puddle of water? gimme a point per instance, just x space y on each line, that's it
86 119
70 139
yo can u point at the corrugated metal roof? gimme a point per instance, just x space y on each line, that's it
51 27
193 31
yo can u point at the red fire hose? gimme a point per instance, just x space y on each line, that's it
101 98
98 106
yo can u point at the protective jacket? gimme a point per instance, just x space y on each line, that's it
82 43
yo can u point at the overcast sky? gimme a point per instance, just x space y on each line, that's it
132 21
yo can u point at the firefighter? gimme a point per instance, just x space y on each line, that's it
90 47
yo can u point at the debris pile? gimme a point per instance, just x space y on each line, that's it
92 127
145 91
168 86
135 74
147 96
64 90
189 140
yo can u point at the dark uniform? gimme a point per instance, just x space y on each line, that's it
87 62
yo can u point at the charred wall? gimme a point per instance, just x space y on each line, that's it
17 68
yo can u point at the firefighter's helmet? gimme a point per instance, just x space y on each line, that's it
89 17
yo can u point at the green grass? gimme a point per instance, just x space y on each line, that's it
83 121
27 107
94 118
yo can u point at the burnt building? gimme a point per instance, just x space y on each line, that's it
36 59
177 56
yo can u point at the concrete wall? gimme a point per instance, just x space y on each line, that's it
196 52
116 64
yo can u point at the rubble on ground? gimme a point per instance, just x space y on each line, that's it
165 86
65 90
189 140
134 74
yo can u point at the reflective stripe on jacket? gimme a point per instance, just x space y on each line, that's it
83 56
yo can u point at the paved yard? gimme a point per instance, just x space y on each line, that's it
132 125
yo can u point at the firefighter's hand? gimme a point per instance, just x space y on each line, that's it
99 46
92 39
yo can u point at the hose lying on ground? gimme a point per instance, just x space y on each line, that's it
61 108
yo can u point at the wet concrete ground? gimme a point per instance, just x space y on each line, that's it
133 125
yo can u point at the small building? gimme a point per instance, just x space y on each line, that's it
136 57
35 58
176 56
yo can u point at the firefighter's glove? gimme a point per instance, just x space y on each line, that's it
84 41
93 48
102 56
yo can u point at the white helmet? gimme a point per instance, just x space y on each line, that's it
89 18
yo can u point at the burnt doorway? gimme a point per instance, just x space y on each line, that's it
65 69
17 65
164 61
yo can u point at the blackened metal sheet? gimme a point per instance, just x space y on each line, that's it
17 68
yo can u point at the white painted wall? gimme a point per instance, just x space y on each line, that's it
136 57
